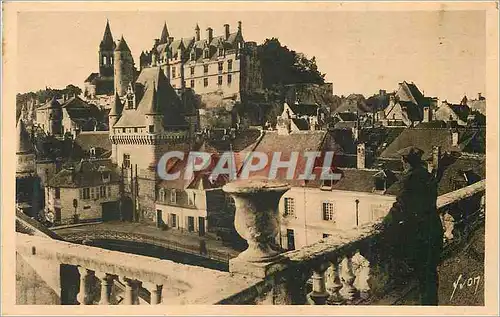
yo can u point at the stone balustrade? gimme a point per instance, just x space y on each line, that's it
91 275
350 268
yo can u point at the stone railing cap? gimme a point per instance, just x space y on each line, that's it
254 185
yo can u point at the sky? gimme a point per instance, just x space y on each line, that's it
443 52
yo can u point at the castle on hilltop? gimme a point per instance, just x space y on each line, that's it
218 68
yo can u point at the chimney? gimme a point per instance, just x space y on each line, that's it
427 114
454 138
382 92
239 26
436 156
226 30
170 39
479 96
361 157
210 34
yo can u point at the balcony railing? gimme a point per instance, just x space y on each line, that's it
351 268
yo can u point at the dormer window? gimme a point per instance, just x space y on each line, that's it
193 56
130 101
105 177
221 52
92 152
206 53
191 198
173 196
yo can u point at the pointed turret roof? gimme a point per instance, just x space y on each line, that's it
152 101
107 42
122 45
117 108
24 144
197 27
164 34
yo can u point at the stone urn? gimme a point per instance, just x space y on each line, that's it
257 216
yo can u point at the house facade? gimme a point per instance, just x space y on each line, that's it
87 191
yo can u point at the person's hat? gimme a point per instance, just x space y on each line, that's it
412 152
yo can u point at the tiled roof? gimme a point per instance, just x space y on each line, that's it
347 116
301 124
122 45
85 174
159 97
91 77
304 109
93 139
462 111
424 139
78 108
345 125
53 103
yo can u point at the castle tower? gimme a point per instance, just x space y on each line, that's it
164 34
28 186
106 49
124 67
24 151
197 32
55 117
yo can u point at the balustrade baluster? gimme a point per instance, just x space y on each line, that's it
348 291
84 296
333 284
155 290
319 295
362 273
106 285
131 291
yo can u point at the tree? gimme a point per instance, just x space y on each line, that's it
281 66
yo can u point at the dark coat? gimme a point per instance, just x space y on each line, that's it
414 226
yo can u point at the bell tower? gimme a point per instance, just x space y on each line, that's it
106 48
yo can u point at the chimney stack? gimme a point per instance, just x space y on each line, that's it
382 92
479 96
210 34
454 138
436 156
361 156
226 30
427 114
239 26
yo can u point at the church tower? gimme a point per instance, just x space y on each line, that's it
106 49
164 35
124 67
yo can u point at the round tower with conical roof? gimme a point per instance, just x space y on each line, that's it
124 67
25 152
106 52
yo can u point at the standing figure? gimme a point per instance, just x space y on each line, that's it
415 226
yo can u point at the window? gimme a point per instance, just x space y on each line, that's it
325 235
85 193
126 160
173 196
135 130
191 83
104 60
328 212
173 72
206 53
57 193
229 65
289 207
221 67
191 198
229 79
174 220
92 152
192 71
123 130
102 191
205 82
205 69
219 80
221 52
151 129
105 176
130 101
